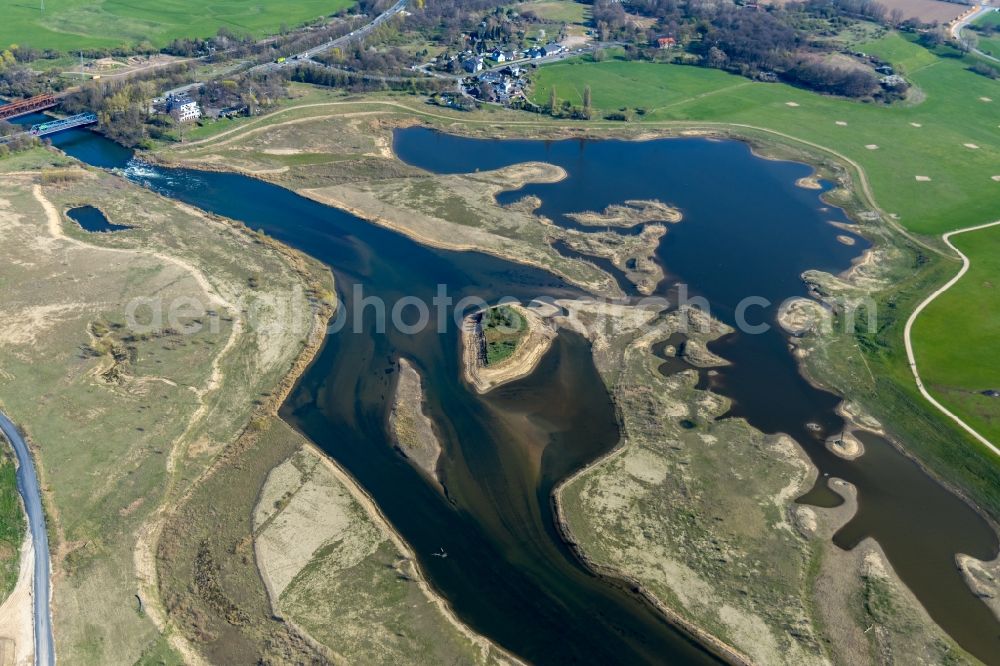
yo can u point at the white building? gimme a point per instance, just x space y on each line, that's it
183 108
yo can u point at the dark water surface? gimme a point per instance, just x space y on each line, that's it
749 232
507 573
93 220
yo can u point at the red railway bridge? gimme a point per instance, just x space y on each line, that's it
26 106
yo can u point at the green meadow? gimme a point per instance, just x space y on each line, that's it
933 163
67 25
958 335
932 138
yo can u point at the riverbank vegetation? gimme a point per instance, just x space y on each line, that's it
12 522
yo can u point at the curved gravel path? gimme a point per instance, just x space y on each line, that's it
916 313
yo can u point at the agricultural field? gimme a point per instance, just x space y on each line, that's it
928 11
68 25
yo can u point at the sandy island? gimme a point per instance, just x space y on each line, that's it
412 430
521 363
631 213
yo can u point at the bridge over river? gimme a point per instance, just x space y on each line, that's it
53 126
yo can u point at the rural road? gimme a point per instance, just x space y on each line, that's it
309 53
27 485
333 43
916 313
956 29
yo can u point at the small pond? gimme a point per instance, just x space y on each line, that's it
93 220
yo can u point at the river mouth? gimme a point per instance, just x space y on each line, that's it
509 574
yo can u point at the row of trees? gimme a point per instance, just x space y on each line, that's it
362 82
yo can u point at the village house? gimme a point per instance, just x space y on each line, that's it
472 64
183 108
665 42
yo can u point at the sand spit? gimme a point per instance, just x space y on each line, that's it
846 445
983 578
412 430
525 358
809 183
799 316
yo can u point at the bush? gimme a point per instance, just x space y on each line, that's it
983 69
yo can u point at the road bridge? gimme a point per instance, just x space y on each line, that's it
53 126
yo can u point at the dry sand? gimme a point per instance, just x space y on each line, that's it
846 445
17 629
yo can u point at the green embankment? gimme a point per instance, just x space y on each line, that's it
933 164
12 524
67 25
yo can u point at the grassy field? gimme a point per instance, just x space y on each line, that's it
925 139
958 334
989 44
563 11
12 523
67 25
124 418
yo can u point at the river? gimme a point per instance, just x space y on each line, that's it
508 574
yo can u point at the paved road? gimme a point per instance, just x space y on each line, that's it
360 33
957 26
27 485
309 53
